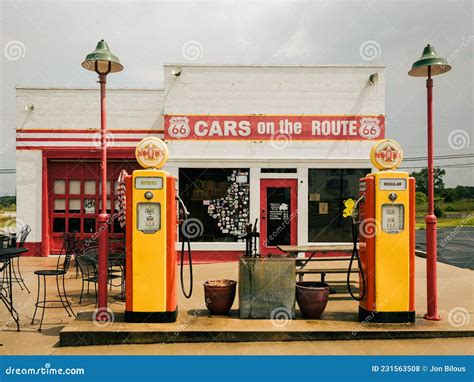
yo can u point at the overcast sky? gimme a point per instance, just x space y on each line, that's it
44 43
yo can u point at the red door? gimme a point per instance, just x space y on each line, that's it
278 214
74 198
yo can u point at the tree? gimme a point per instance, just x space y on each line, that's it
421 178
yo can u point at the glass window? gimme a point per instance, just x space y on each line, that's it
59 205
89 187
117 227
89 225
327 189
59 225
74 225
74 187
218 202
59 187
75 206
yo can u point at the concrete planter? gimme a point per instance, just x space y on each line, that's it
266 287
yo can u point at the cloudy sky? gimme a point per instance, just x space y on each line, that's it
44 42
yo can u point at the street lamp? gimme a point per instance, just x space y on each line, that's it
103 62
430 64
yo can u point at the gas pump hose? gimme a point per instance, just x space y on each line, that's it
355 255
184 238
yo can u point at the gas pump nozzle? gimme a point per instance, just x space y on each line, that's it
355 210
183 221
355 251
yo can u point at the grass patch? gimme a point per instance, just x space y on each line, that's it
446 222
6 220
456 213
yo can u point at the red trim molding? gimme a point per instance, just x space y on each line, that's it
46 245
34 249
86 152
87 131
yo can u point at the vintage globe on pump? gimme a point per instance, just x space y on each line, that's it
151 152
386 154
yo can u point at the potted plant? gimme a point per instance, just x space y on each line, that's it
219 295
312 298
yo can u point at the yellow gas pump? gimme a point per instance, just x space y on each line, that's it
151 216
384 239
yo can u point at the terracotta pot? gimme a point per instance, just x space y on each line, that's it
312 298
219 295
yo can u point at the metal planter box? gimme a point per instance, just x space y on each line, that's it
267 287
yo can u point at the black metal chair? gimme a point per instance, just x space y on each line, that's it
87 262
69 245
22 235
88 268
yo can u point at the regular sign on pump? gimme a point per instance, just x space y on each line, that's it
264 127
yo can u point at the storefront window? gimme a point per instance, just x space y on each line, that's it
327 189
218 200
59 187
74 187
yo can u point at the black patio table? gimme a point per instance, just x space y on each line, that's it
6 294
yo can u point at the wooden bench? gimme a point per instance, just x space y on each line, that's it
301 272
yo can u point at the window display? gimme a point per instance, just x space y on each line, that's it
219 199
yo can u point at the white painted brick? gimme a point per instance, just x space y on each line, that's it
29 192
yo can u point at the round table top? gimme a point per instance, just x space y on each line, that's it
12 252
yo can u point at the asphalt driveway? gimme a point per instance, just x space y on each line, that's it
455 245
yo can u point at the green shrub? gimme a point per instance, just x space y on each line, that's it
450 208
439 213
420 197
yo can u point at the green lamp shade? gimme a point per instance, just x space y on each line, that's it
102 60
429 58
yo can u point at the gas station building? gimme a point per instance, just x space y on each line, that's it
281 144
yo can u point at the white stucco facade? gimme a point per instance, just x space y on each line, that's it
60 119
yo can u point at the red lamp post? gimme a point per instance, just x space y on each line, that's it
103 62
428 65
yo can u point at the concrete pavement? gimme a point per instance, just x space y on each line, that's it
455 297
